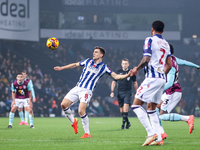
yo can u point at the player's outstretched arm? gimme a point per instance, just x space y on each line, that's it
70 66
186 63
112 88
120 76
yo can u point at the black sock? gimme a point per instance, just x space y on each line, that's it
125 116
123 120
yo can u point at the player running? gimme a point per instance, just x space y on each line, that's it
21 93
124 92
155 55
173 94
93 70
20 108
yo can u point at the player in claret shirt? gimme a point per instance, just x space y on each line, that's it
20 108
173 94
21 93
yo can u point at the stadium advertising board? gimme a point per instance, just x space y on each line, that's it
123 3
105 35
19 20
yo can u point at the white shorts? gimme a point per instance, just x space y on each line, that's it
78 93
21 102
151 89
170 101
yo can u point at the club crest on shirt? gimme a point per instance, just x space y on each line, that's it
93 69
24 87
158 70
128 78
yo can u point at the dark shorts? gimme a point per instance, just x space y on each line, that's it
124 97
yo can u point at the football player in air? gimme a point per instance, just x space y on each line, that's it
93 70
21 93
173 94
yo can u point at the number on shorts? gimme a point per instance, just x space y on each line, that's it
160 60
166 101
139 91
86 97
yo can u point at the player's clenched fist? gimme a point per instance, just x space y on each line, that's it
57 68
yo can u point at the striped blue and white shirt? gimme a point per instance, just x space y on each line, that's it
158 49
92 73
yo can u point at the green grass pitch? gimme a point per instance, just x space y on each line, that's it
56 134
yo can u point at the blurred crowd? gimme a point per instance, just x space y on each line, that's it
50 90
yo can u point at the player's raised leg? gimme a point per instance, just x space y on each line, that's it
177 117
84 119
65 104
168 105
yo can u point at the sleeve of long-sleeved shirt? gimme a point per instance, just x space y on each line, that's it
13 88
32 90
170 78
186 63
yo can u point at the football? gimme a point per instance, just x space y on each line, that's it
52 43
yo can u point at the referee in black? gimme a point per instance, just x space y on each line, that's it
124 92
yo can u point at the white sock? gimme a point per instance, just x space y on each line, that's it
68 114
184 118
155 123
142 116
162 129
85 123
